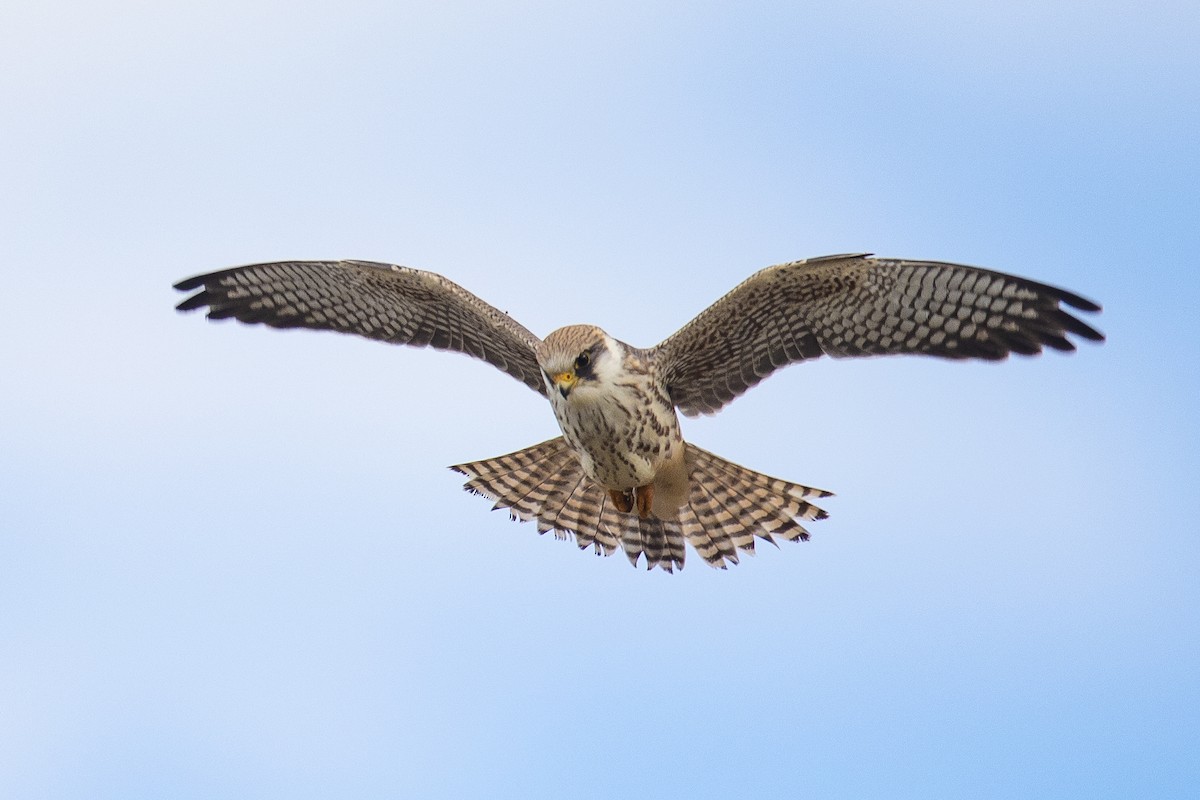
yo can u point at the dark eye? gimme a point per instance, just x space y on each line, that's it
582 362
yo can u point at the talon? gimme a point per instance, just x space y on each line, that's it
645 499
622 499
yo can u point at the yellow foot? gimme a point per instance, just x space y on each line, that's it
623 500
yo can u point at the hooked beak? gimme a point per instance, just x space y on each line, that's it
565 381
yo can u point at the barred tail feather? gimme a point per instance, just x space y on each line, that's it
545 484
660 540
727 507
505 479
730 505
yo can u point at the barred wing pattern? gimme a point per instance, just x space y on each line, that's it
854 305
728 506
384 302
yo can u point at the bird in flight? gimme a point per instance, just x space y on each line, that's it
621 475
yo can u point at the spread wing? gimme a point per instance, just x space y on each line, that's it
378 301
853 305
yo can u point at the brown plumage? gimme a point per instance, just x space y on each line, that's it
727 507
621 474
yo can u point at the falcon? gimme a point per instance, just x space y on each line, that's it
621 475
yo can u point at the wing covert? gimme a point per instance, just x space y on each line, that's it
854 305
385 302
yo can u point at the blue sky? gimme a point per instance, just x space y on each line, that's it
233 564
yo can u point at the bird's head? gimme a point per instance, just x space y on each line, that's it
577 360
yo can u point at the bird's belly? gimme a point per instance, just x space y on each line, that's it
618 470
618 450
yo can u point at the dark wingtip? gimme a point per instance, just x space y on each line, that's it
1070 322
194 282
1081 328
1082 303
198 300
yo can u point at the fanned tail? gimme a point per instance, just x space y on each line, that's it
545 484
728 506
